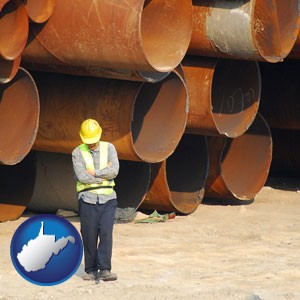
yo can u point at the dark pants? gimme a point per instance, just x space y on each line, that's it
97 222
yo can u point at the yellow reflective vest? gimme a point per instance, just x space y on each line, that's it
106 186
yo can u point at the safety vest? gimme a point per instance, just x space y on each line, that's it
106 186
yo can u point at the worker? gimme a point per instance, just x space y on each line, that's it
95 166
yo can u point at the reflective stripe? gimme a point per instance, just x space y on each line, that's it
89 163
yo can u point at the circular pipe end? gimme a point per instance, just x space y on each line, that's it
159 118
14 29
235 96
39 11
246 160
275 28
182 193
19 117
166 31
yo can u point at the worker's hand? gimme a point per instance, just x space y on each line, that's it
91 172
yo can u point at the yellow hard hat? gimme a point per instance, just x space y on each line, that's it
90 131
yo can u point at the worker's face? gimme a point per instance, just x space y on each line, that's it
92 146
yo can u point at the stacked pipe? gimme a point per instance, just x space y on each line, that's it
19 102
252 31
175 85
15 17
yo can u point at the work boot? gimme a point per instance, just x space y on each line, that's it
106 275
91 276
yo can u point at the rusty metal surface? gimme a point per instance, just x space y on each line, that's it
224 95
39 11
148 36
52 193
14 26
177 184
9 69
286 159
16 188
46 62
132 114
249 30
239 167
19 117
280 99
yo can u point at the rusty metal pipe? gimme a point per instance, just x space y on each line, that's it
19 117
224 95
16 188
39 11
249 30
280 94
148 36
52 193
239 167
46 62
177 184
9 69
14 26
144 121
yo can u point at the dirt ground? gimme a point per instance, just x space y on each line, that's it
221 251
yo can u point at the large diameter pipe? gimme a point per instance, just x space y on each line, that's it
9 69
281 94
14 26
249 30
19 117
52 192
144 121
177 184
39 11
17 184
129 35
224 95
239 167
36 57
286 161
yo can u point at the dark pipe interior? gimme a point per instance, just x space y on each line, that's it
235 95
187 170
